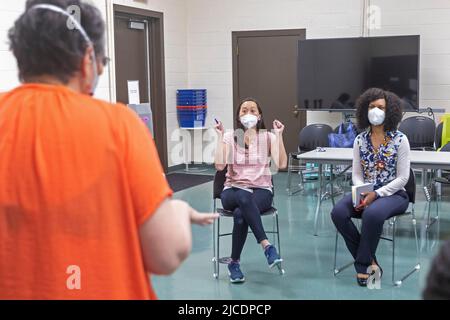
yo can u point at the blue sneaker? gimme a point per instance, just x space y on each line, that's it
273 258
234 270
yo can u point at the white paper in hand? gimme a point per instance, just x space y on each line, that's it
358 190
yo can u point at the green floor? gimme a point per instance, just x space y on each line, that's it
308 259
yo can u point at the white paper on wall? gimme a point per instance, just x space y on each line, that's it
133 92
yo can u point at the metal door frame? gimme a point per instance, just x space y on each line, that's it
156 67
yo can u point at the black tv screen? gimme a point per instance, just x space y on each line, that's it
332 73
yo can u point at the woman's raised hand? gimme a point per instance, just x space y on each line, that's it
219 128
278 127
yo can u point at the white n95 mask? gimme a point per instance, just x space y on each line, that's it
376 116
249 121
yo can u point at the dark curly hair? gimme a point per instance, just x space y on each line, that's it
438 279
44 45
394 108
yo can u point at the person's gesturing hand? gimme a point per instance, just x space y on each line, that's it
203 219
278 127
369 197
219 128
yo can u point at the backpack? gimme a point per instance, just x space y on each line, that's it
345 137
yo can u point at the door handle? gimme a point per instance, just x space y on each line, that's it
296 111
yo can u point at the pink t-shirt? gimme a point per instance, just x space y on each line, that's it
249 168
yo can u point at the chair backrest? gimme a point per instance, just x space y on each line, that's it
445 129
219 181
313 136
446 148
438 138
420 131
410 187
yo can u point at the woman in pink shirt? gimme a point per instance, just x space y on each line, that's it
248 154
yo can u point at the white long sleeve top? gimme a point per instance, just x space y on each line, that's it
388 168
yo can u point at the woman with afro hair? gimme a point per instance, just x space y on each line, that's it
381 156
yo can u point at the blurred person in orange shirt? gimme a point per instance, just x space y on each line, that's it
85 209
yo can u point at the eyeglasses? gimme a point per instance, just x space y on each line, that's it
106 61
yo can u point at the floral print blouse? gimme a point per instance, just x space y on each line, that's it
387 168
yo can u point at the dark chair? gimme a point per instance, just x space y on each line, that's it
219 181
446 148
313 136
431 192
310 138
411 191
421 132
438 138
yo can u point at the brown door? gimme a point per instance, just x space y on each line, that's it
265 68
132 61
138 40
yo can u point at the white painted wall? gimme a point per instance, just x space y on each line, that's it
9 12
431 20
175 27
198 43
210 23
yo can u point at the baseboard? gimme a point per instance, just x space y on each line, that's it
178 167
181 167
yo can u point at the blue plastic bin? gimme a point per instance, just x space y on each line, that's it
192 118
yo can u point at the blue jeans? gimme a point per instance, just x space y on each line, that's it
247 208
364 246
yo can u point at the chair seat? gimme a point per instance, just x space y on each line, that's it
442 180
226 213
295 155
424 148
407 213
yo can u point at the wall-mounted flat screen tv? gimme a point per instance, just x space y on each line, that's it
332 73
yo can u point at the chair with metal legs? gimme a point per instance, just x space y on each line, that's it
310 137
219 181
438 137
431 196
421 133
411 191
431 192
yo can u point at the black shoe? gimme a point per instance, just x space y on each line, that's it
381 270
362 282
442 180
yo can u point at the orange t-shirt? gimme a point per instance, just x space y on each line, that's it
78 176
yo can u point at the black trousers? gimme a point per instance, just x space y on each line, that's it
247 208
363 246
